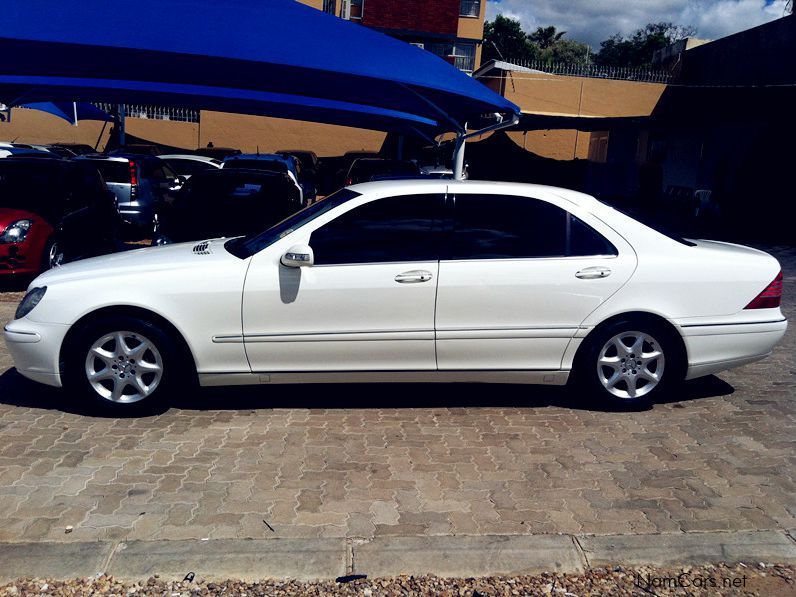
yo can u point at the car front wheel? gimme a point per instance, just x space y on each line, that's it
629 364
122 364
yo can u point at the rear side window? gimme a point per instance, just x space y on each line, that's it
113 171
386 230
506 227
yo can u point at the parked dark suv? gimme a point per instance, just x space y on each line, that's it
227 202
140 182
53 211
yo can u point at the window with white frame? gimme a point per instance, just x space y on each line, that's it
470 8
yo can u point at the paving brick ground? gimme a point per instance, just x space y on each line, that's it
363 461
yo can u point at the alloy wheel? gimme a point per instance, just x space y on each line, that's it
124 367
55 256
631 364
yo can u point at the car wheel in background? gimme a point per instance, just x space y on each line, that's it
122 364
53 254
631 363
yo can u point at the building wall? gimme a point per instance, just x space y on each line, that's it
574 96
248 133
435 16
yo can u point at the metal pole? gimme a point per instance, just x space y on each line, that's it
121 125
458 155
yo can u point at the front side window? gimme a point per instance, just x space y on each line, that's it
507 227
396 229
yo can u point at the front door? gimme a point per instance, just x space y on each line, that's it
367 302
518 278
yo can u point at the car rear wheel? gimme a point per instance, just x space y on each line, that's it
122 364
630 364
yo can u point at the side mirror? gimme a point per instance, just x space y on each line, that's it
298 256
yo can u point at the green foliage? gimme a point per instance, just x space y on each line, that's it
637 48
514 44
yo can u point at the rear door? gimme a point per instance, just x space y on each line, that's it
519 277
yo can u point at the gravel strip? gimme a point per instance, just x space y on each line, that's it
752 579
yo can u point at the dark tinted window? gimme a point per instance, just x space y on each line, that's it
267 165
113 171
189 167
36 186
364 170
505 227
385 230
247 246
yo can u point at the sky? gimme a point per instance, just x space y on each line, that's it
592 21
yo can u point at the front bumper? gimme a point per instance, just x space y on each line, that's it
36 348
18 258
714 348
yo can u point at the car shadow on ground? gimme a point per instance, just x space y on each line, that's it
17 391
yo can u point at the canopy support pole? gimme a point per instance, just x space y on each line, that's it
461 139
121 118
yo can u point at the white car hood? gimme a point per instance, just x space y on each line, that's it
183 256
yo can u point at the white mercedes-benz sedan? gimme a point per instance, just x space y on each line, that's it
413 281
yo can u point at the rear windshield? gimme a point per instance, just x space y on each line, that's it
370 168
215 186
113 171
267 165
30 186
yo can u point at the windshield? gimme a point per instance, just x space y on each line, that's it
246 246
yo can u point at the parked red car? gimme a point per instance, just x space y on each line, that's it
52 211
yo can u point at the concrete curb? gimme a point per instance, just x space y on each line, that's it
445 556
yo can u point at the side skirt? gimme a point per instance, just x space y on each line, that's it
548 378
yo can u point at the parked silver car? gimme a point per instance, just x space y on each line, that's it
140 182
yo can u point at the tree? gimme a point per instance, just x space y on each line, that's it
637 49
504 38
546 43
546 37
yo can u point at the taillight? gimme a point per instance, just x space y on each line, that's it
133 179
349 181
771 296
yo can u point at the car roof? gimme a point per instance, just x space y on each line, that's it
189 156
118 157
419 185
228 172
268 157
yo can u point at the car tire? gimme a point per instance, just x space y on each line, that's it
611 368
123 365
53 255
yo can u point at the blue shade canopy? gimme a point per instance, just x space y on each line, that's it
271 57
71 111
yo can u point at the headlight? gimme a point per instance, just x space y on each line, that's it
29 302
16 232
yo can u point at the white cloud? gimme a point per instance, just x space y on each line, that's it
592 21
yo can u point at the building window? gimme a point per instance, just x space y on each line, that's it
461 55
464 57
353 9
330 6
470 8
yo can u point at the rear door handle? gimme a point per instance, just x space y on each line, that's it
413 277
592 273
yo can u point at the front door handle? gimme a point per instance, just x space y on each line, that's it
593 273
413 277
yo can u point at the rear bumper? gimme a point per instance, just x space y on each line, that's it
714 348
35 348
